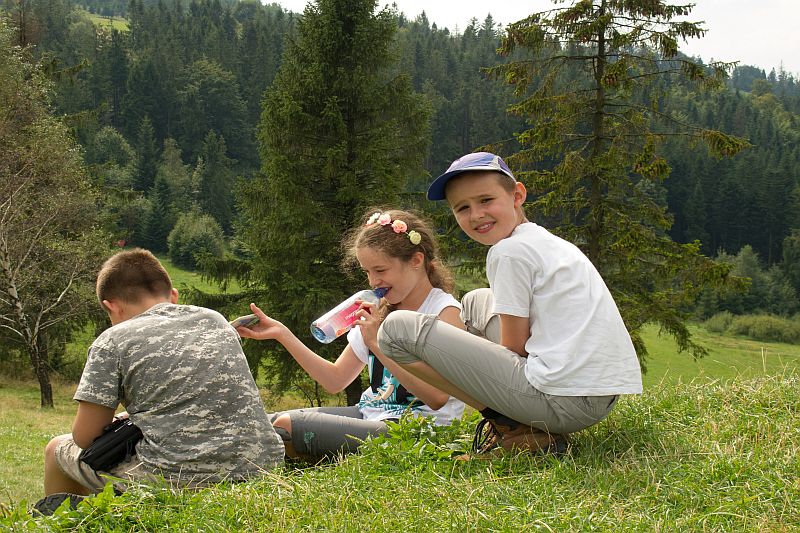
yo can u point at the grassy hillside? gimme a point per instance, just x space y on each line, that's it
711 445
119 24
728 357
184 278
718 456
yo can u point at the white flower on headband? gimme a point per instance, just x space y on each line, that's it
398 226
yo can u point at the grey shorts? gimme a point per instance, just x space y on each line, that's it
489 372
326 431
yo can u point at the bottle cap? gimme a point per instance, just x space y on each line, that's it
380 291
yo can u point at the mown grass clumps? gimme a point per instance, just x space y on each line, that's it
766 328
712 456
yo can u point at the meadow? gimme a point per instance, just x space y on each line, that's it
117 23
711 445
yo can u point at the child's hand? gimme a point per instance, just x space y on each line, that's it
265 328
369 324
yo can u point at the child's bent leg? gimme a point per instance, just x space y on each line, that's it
469 367
476 312
321 431
55 480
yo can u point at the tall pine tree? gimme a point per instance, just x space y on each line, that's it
340 130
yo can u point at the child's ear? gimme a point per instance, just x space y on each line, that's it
417 260
173 296
520 194
114 309
112 306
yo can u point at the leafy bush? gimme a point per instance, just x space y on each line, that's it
193 235
719 323
766 328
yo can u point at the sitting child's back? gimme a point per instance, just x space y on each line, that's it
180 373
185 383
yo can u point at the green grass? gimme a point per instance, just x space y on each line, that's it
728 357
719 456
118 23
25 429
185 278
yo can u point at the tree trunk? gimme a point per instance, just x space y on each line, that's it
354 390
39 359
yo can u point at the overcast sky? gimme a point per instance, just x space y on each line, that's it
762 33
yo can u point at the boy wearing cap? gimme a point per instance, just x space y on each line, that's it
551 353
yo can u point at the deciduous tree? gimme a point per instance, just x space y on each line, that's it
49 247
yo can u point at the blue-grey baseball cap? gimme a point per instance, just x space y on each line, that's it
473 161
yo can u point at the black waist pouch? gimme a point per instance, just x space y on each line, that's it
116 444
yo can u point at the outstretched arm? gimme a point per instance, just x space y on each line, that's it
333 377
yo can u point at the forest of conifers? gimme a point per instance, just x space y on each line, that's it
184 69
168 104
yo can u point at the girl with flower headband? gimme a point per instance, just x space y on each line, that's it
397 251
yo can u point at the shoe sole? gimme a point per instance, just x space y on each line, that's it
48 505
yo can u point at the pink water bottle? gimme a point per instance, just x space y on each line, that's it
341 318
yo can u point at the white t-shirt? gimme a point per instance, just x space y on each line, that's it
578 343
391 399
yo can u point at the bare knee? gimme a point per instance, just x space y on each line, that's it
284 422
50 449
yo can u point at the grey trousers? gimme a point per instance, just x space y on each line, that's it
483 369
325 431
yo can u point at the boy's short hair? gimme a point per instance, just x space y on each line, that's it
132 275
477 161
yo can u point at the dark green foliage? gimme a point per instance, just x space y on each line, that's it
146 156
209 101
193 236
158 218
215 180
341 130
768 290
182 181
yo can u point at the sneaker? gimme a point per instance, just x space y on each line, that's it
505 434
48 505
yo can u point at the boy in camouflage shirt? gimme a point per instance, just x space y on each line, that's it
181 374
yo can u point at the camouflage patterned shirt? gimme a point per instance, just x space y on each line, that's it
180 372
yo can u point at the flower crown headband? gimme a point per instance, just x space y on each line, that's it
398 226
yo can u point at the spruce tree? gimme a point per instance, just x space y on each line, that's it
341 130
591 88
158 219
147 156
216 181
